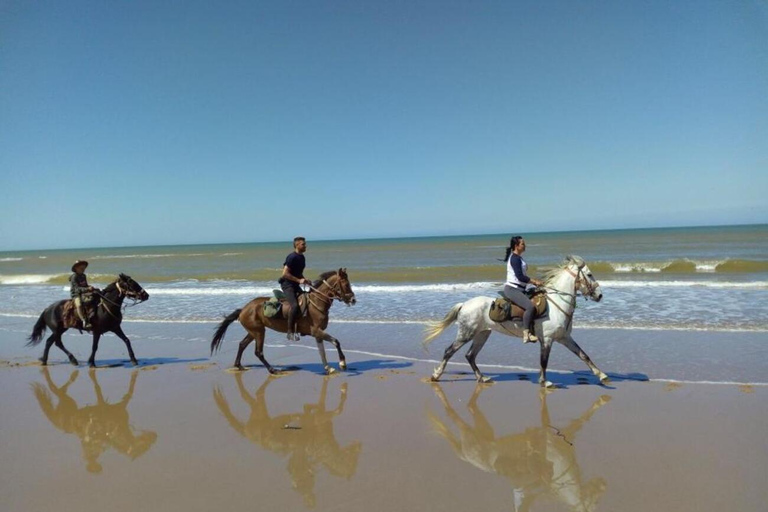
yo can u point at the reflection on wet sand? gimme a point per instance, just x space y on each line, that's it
98 426
306 437
540 461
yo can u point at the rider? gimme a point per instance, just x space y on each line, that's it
78 288
293 276
518 282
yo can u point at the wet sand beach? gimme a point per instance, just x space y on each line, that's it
180 432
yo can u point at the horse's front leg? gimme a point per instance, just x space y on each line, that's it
335 342
574 347
323 358
120 334
546 347
94 348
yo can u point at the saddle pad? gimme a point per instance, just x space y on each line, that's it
502 309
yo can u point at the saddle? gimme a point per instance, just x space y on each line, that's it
69 315
502 309
278 307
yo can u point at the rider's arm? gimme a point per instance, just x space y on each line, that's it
287 275
76 288
517 268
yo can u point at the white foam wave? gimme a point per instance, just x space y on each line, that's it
245 290
232 254
637 267
10 259
443 287
685 284
143 256
27 279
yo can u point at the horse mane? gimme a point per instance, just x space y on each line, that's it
322 277
552 273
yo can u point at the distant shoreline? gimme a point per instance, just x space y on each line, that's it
391 238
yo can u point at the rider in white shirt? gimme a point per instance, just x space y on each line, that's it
517 283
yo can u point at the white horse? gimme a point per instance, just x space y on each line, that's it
561 284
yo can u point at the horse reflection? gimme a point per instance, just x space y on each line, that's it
99 426
539 461
305 437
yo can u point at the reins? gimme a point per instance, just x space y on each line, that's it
120 293
576 285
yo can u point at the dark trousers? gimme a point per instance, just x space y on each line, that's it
518 297
291 291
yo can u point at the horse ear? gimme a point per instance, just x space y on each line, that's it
341 271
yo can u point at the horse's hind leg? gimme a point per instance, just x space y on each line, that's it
461 339
60 344
241 348
574 347
259 337
477 345
48 344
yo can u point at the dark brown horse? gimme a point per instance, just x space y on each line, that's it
108 317
328 287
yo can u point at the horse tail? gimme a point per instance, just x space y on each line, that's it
37 331
221 330
434 329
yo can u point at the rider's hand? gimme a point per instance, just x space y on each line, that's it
303 281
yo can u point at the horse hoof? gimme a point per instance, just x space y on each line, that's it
74 362
329 370
239 368
547 384
134 362
605 380
484 380
434 378
343 365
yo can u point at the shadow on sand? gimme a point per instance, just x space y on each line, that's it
561 380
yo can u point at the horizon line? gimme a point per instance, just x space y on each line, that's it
408 237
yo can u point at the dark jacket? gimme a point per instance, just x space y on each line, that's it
78 284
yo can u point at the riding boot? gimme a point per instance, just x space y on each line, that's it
529 337
290 335
83 319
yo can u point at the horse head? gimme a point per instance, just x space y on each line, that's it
345 287
131 288
585 281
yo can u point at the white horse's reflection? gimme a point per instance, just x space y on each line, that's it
540 461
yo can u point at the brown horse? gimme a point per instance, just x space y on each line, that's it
328 287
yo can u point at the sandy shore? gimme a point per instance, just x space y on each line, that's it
183 433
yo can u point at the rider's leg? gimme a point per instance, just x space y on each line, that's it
80 313
291 296
521 299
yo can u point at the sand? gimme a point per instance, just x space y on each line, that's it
181 432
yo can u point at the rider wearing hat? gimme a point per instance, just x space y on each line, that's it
78 288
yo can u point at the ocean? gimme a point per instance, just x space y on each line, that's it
690 279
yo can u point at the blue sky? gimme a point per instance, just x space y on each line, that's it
139 123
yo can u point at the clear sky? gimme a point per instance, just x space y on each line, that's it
164 122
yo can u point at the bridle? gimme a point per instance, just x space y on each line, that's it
131 294
581 281
328 298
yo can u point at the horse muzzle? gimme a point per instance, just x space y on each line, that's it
143 295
